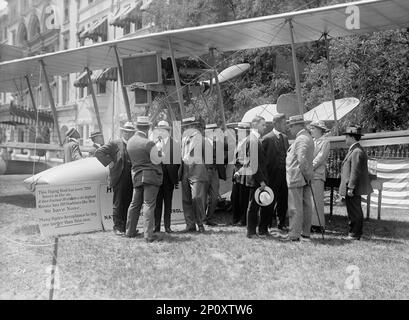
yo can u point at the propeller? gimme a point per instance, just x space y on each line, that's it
228 73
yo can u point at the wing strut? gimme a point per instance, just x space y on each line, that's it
331 83
31 94
219 93
296 74
177 80
124 93
94 99
52 103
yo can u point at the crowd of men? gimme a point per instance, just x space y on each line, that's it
273 181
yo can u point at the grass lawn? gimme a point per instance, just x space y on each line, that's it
220 264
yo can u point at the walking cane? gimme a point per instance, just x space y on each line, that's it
316 210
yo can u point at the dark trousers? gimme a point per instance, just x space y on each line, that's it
165 196
278 209
281 201
122 199
239 201
252 212
355 215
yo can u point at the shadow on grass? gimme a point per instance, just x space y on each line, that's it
24 200
372 228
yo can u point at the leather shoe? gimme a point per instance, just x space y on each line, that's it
119 233
201 229
168 230
288 239
156 230
188 230
253 236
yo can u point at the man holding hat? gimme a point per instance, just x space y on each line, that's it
97 141
115 155
354 181
72 150
321 153
147 176
165 144
193 174
252 174
299 174
275 145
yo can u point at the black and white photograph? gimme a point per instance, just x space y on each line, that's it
206 155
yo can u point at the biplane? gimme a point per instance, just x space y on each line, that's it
289 28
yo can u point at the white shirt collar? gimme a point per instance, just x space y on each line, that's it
350 148
256 133
276 132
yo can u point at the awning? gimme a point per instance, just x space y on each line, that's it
109 74
8 52
82 80
97 29
127 14
14 115
146 5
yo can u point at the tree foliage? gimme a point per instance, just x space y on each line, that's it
372 67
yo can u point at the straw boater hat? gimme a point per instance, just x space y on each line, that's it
128 126
71 132
163 125
95 134
319 124
298 119
143 121
354 131
190 121
264 197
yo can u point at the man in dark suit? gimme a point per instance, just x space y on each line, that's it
72 150
275 145
115 155
193 174
147 176
165 145
97 141
354 181
252 173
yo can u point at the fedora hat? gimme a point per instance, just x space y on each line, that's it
190 121
298 119
211 126
71 132
95 134
128 126
353 131
163 125
264 197
319 124
278 116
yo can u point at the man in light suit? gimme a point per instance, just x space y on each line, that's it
115 155
193 174
72 150
299 175
275 145
147 176
166 144
252 174
354 181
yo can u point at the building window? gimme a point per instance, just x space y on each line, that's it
66 41
66 10
127 28
65 89
101 87
13 37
